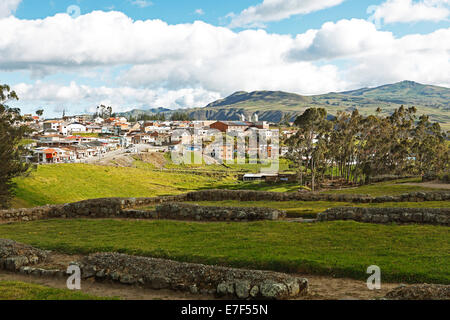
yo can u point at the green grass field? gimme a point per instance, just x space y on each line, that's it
62 183
410 253
310 209
10 290
396 187
54 184
389 188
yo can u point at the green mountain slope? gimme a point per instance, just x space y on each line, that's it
407 92
274 105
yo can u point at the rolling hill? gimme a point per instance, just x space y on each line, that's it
274 105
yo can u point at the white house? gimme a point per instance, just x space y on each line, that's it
76 127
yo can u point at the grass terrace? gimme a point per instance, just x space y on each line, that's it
407 253
310 209
62 183
11 290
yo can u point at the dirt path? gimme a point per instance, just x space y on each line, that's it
321 287
105 289
327 288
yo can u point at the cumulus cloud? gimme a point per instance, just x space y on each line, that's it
189 65
173 56
377 57
393 11
8 7
200 12
345 38
121 98
141 3
275 10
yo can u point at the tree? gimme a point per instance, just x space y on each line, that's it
181 116
357 148
104 111
11 152
310 142
40 112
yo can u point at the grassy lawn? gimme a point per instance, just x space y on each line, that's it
26 291
54 184
397 187
389 188
62 183
410 253
310 209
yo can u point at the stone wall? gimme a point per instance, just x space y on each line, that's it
196 278
95 208
436 216
249 195
119 207
420 292
14 255
183 211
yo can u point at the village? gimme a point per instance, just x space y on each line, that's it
89 138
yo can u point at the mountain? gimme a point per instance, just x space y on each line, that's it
142 110
406 92
274 105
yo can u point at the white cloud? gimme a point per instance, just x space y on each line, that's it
404 11
345 38
275 10
200 12
189 65
173 56
141 3
8 7
376 57
121 98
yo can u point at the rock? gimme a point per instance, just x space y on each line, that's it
272 290
254 292
420 292
160 283
193 289
242 289
127 279
14 263
100 274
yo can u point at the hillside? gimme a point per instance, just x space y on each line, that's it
407 92
274 105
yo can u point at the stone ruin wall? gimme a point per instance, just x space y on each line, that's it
434 216
123 207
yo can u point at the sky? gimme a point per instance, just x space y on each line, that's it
73 55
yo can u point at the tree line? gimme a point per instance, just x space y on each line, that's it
355 147
176 116
11 150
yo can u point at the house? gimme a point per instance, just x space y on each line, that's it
54 155
142 138
94 129
75 127
221 152
52 125
226 126
269 177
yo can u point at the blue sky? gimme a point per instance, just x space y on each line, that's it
116 52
